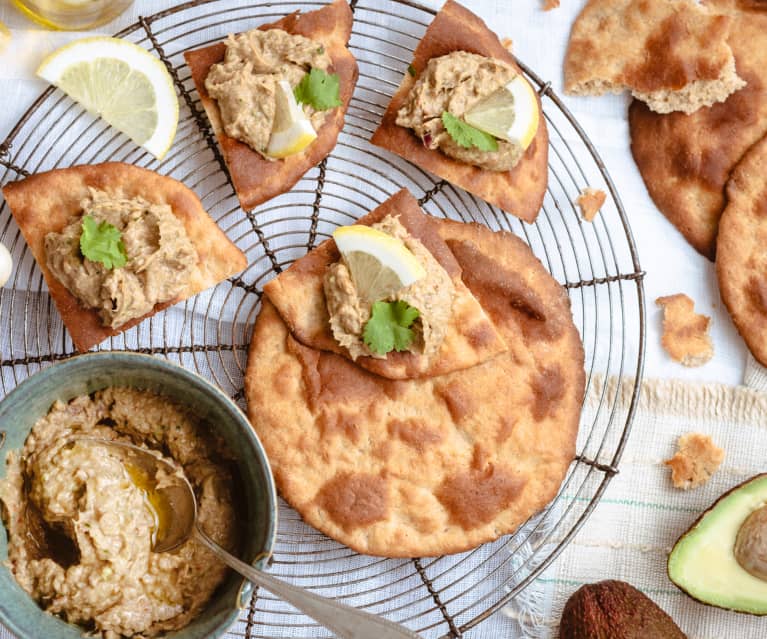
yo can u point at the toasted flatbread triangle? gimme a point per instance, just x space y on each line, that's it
298 296
519 191
255 179
45 203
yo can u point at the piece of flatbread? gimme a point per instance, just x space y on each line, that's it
671 54
255 178
589 201
685 160
437 465
519 191
685 332
46 202
696 459
741 261
298 295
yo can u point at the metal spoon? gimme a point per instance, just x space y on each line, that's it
173 498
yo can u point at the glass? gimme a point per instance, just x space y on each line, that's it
72 14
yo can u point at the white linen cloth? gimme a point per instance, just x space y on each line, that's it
612 543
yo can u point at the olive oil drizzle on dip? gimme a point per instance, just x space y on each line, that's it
114 584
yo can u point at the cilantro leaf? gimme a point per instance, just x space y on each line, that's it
411 70
388 328
319 90
466 135
102 243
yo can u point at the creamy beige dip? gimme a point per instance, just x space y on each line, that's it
161 258
244 84
106 577
455 83
432 295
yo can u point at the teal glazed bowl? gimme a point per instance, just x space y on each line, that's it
84 374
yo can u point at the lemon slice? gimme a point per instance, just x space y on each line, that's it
510 113
379 264
292 131
5 37
121 82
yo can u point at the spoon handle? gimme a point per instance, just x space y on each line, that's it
344 621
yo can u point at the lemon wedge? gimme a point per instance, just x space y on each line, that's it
510 113
380 265
121 82
292 131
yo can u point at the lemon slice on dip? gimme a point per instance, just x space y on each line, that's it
121 82
379 264
292 131
510 113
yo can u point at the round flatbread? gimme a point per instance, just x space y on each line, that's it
436 465
685 160
741 262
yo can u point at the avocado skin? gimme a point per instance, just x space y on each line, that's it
615 610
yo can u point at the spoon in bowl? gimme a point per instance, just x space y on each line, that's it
174 502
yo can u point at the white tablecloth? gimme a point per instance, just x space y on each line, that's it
539 40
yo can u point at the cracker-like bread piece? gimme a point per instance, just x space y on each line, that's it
673 55
696 459
741 261
685 332
685 160
589 201
519 191
255 178
298 295
436 465
45 203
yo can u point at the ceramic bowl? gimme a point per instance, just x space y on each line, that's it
84 374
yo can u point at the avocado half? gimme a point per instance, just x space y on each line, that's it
703 563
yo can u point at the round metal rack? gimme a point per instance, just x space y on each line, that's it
596 262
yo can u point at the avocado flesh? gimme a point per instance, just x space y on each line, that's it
703 562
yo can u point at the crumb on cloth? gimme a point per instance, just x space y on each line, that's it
696 459
508 44
590 201
548 5
685 332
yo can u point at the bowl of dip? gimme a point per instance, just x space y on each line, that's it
99 572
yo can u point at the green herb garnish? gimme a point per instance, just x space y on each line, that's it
466 135
388 328
411 70
102 243
319 90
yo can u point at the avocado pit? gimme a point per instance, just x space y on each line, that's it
751 544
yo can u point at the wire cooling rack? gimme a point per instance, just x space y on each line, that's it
597 263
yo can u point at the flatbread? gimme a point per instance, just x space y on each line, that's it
672 55
256 179
437 465
685 160
741 261
46 202
519 191
299 298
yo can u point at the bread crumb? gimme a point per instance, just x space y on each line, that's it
548 5
696 459
508 44
685 333
590 201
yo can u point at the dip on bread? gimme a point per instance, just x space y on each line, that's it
454 83
95 567
432 296
158 255
245 83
